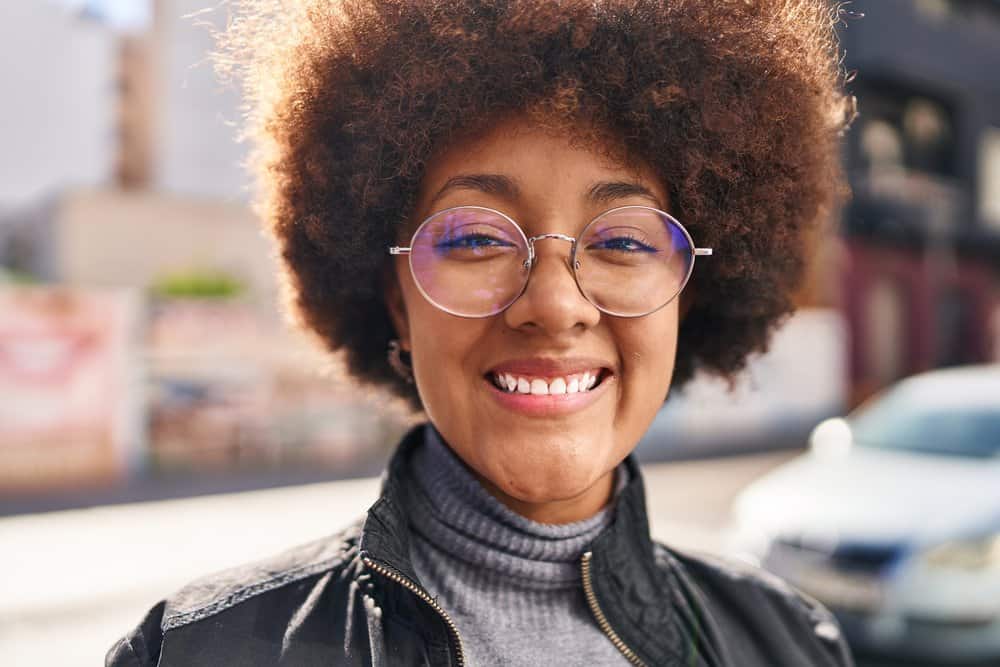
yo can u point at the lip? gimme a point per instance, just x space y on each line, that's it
551 405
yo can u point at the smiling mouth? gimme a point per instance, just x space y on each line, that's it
575 383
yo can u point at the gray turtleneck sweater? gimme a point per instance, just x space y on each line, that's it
511 585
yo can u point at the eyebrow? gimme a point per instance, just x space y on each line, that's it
493 184
605 192
602 192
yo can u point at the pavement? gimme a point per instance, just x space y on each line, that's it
83 577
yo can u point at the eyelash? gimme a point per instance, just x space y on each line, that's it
467 242
643 247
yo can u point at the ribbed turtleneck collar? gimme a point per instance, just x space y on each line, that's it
453 511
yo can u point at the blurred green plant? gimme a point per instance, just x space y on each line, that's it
197 284
18 277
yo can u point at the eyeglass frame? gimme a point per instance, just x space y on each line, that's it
529 263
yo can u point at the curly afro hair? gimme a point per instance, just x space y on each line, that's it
736 104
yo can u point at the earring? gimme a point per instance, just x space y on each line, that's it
395 358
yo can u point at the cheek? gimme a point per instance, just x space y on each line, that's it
443 349
648 346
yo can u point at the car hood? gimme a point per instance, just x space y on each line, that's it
875 496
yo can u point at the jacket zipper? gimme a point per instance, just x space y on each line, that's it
392 575
602 620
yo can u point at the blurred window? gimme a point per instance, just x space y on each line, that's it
989 177
927 134
953 315
933 9
979 10
882 145
905 130
899 421
975 10
886 341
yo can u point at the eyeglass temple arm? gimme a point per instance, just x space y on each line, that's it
700 251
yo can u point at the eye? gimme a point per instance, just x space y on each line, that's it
472 242
622 244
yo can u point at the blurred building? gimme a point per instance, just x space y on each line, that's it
177 121
921 287
57 123
57 120
138 237
124 204
196 117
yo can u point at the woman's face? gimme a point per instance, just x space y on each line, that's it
548 457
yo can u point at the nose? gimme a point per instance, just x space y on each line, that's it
552 301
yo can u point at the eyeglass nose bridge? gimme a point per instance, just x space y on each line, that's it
528 263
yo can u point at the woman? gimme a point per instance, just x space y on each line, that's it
493 209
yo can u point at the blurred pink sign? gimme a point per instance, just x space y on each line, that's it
65 404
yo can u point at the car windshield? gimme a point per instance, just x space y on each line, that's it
898 421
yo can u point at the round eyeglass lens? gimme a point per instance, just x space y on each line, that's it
633 260
469 261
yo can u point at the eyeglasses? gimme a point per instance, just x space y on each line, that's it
472 261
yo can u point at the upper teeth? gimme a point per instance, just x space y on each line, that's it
570 384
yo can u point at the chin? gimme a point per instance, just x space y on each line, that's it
542 483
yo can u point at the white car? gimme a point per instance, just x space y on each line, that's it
892 519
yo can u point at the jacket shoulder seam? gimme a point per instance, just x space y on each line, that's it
249 591
731 568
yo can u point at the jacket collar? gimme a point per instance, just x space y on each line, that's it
637 597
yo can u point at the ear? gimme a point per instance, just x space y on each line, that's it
392 294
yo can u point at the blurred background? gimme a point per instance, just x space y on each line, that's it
159 420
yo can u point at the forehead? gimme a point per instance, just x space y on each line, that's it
545 162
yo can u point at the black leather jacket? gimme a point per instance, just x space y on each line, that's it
354 599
